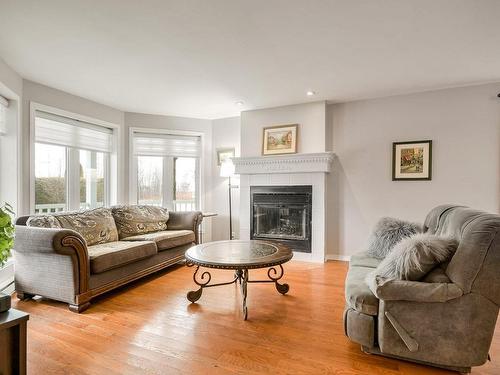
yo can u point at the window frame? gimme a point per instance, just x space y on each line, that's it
111 167
4 106
133 164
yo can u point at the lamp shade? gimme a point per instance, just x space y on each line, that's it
227 168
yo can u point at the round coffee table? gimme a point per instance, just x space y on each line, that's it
239 256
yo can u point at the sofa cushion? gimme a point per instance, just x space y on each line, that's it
104 257
387 233
416 256
43 221
357 294
364 260
96 226
166 239
134 220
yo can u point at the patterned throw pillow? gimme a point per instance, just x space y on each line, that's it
43 221
95 226
134 220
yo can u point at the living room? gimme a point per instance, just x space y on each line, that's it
347 152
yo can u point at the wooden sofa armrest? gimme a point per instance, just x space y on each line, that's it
188 220
59 241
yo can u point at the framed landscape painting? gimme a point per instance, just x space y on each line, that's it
281 139
412 160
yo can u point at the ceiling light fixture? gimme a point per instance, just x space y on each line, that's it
239 103
310 93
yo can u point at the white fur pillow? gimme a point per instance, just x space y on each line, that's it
387 233
413 257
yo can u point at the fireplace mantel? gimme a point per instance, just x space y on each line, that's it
288 170
293 163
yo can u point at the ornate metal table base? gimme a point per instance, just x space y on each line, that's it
241 277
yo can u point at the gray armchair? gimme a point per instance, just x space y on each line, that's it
447 319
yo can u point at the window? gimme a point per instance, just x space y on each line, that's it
92 173
71 164
149 180
185 182
167 170
50 178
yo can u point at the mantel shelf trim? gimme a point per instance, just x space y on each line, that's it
296 163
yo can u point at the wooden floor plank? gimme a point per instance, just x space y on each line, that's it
149 327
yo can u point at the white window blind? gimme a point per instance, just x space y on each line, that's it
64 131
147 144
4 103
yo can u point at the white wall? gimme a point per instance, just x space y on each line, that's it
35 92
11 88
464 125
309 116
140 120
10 155
226 134
10 81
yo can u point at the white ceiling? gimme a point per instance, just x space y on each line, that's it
198 57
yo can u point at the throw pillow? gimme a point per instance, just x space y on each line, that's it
414 257
387 233
96 226
134 220
43 221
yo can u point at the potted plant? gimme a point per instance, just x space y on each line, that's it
6 241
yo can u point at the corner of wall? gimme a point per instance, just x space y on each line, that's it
11 87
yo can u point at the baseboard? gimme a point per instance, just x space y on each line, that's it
306 257
344 258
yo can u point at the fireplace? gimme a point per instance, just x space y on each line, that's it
282 213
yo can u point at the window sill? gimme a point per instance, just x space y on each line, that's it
7 274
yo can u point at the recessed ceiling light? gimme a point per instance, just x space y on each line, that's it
239 103
310 93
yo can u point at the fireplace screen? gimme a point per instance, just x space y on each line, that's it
282 213
275 221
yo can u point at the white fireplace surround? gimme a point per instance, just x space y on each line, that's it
283 170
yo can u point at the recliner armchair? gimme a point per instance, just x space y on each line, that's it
448 318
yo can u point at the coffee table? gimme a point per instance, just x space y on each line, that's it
239 256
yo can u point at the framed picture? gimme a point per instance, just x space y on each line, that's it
412 160
223 154
281 139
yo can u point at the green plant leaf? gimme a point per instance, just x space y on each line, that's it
7 207
7 232
4 219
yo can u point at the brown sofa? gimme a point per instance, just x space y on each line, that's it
75 256
446 319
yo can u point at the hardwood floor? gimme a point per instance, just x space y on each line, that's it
149 327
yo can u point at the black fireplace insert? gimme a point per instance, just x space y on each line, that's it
282 213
